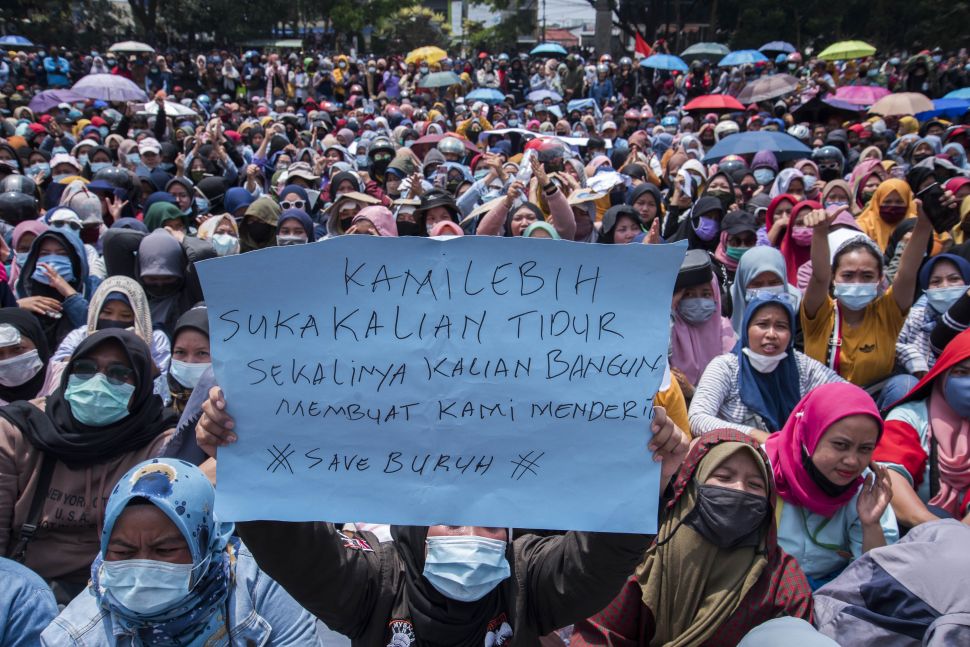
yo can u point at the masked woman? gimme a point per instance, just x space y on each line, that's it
25 369
834 500
715 570
755 388
170 573
927 439
190 355
101 420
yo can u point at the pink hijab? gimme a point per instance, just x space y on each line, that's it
693 347
379 216
35 227
810 419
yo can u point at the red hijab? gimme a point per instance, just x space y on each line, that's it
796 255
810 419
773 205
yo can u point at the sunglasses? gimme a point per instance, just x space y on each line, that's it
767 295
296 204
88 368
67 225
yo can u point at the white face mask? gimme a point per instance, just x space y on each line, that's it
225 244
20 369
764 363
186 374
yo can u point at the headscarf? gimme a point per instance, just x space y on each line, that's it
773 206
208 229
263 209
950 432
962 264
56 432
872 223
133 294
381 217
159 254
695 589
770 395
196 319
834 184
438 619
35 227
648 187
28 326
544 226
796 255
860 175
184 494
784 180
821 407
693 347
755 261
161 212
301 217
612 217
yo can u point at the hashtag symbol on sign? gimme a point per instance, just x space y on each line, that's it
526 465
281 458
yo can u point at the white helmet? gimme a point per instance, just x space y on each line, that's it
725 128
799 132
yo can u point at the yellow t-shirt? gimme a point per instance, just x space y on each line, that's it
672 399
868 350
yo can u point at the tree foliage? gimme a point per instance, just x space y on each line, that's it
412 27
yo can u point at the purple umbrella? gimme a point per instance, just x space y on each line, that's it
861 95
44 101
109 87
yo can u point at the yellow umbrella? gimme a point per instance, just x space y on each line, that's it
847 50
428 53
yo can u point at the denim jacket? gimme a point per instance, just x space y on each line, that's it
260 613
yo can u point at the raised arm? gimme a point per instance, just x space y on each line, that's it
904 285
493 222
818 286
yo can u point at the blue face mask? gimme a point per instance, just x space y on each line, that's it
146 586
809 182
855 296
201 205
20 259
838 204
940 299
764 176
465 568
224 244
96 402
62 264
82 158
40 167
186 374
97 166
956 392
60 177
696 311
134 158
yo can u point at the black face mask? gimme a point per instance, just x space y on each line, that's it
162 291
106 324
726 198
828 487
726 517
828 173
406 228
259 231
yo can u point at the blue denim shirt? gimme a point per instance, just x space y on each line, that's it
26 605
260 613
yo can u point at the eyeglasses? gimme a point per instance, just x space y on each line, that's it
296 204
88 368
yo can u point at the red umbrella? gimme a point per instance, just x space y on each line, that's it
714 102
426 143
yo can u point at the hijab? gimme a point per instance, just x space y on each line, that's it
693 347
196 319
648 187
872 223
770 395
796 255
133 294
301 217
184 494
58 434
810 419
264 210
695 589
834 184
755 261
784 180
35 227
161 212
208 229
612 217
381 217
28 326
159 254
544 226
438 619
773 206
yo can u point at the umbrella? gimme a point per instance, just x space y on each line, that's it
743 57
768 87
901 104
541 95
44 101
962 93
16 41
172 109
426 143
784 146
705 50
428 53
861 95
777 46
548 49
664 62
949 108
439 80
816 109
109 87
488 95
847 49
132 46
714 102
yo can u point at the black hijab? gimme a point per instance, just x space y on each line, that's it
612 216
57 433
439 620
540 217
29 327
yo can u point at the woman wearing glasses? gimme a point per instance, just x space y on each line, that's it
755 388
61 456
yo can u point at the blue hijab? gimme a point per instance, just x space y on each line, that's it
773 395
301 217
184 494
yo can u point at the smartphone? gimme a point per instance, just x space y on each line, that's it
943 219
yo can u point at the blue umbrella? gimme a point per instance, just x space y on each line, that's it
777 46
784 146
15 41
664 62
962 93
488 95
743 57
951 108
548 49
542 95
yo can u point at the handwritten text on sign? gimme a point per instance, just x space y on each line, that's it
475 381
